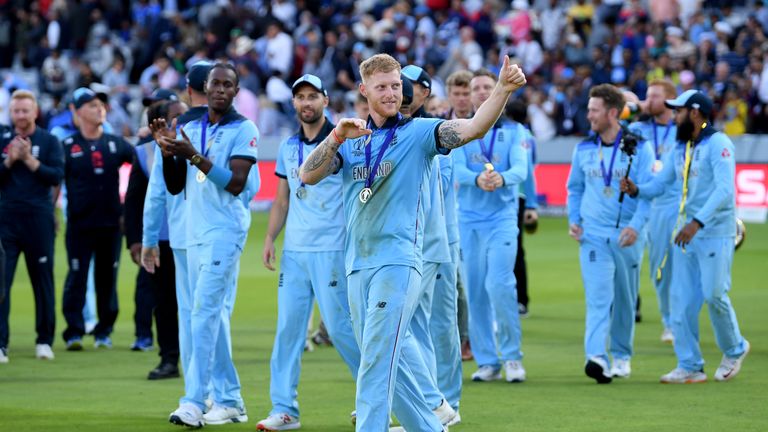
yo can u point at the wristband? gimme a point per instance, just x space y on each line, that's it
219 176
336 136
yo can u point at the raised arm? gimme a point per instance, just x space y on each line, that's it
323 160
456 133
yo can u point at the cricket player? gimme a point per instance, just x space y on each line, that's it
312 264
220 180
660 130
385 167
489 171
703 165
608 232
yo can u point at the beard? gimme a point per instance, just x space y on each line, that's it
685 130
311 118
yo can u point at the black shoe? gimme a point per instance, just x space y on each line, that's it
165 370
595 371
638 313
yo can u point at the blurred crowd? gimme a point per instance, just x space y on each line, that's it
565 47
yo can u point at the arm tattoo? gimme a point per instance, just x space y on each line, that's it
449 136
324 153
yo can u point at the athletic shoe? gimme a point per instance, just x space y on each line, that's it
3 355
729 367
187 414
222 415
208 404
487 373
456 420
514 371
142 344
75 344
353 417
466 351
278 422
621 368
103 342
308 346
682 376
444 413
320 337
43 352
667 336
597 369
522 310
163 371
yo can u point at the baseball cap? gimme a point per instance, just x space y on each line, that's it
310 80
160 95
692 99
198 74
407 91
417 75
83 95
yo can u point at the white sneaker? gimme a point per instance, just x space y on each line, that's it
187 414
444 413
667 336
353 417
43 352
278 422
514 371
621 368
208 404
597 369
729 367
487 373
222 415
682 376
3 355
456 420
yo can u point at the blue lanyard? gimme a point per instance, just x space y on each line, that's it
656 139
607 176
301 159
488 153
387 140
204 122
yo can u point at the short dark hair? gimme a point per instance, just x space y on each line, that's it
517 111
160 110
612 97
485 72
227 66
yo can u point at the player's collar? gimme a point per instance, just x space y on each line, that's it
388 124
324 132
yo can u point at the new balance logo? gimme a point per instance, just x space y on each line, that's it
381 305
333 284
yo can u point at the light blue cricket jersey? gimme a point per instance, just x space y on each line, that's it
389 228
449 197
436 249
711 183
315 222
528 188
508 158
215 214
588 205
662 140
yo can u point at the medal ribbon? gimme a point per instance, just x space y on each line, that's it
204 123
656 139
488 153
387 140
301 159
607 176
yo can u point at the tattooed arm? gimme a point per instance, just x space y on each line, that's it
456 133
323 161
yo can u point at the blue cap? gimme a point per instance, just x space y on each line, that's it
82 96
198 74
310 80
417 75
691 99
160 95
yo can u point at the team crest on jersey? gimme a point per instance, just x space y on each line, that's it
725 154
253 143
76 151
36 151
112 147
358 146
500 135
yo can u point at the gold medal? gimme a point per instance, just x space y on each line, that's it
201 177
658 166
608 192
488 166
365 195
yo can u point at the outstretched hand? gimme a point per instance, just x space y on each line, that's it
349 128
511 76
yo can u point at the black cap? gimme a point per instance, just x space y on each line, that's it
692 99
310 80
198 74
417 75
82 96
160 95
407 90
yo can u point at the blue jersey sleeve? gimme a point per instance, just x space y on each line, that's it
723 164
280 170
575 186
154 202
426 135
518 165
464 175
246 142
642 172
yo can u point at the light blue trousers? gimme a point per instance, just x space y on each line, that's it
611 276
445 330
426 373
304 276
382 301
703 274
488 257
660 226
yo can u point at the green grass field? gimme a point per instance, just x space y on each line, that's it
107 390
